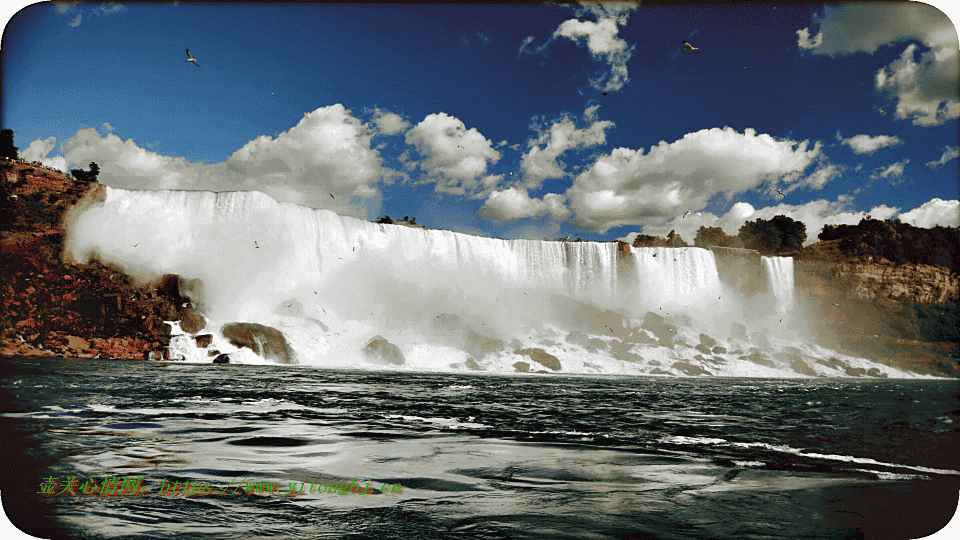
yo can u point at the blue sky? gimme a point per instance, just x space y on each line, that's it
508 121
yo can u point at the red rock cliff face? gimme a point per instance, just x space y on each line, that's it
52 307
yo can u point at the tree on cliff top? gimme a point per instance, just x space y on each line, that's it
714 236
780 234
85 176
7 149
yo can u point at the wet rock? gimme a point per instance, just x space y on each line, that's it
658 326
707 341
658 371
596 344
690 369
854 371
265 341
738 331
192 321
793 350
654 362
213 352
802 368
222 359
622 351
703 348
875 372
541 357
591 319
381 351
204 341
638 335
783 357
719 350
758 359
666 342
522 367
479 345
577 338
472 364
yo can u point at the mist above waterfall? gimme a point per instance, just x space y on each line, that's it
332 284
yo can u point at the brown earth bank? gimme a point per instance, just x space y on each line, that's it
51 306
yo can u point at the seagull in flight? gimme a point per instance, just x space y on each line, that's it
780 192
685 214
190 58
688 47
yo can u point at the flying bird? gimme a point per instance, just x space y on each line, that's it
190 58
255 244
688 47
780 192
685 214
331 196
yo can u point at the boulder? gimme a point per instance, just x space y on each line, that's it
222 359
623 351
719 350
703 348
479 345
192 321
577 338
802 368
381 351
522 367
875 372
541 357
596 344
265 341
472 364
690 369
658 326
666 341
204 341
707 341
658 371
758 359
855 372
607 322
783 357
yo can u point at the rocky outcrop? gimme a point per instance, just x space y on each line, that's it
265 341
922 284
663 330
51 306
380 351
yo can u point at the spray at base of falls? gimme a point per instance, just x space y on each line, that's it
331 284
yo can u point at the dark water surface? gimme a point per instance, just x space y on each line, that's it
477 456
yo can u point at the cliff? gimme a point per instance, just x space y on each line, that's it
921 284
52 307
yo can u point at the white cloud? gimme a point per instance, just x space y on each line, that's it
389 123
76 21
627 187
894 170
540 162
513 203
455 157
327 152
107 126
865 27
602 41
926 91
111 7
865 144
932 213
949 153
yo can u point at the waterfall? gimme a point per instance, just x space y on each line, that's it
778 277
677 277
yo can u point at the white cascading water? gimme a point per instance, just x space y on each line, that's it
331 283
778 276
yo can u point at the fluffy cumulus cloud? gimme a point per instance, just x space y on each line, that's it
628 187
74 8
454 157
814 215
865 144
893 172
949 153
541 160
514 203
601 40
924 90
389 123
933 213
325 161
